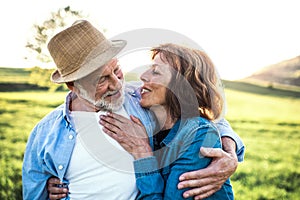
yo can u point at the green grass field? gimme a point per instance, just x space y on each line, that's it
267 119
270 128
14 75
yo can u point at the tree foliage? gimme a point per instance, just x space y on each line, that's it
44 31
37 45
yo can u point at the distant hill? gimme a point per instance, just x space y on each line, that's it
261 89
286 73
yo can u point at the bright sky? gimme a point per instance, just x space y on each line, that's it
240 36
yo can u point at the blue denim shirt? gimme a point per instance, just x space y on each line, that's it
51 142
158 176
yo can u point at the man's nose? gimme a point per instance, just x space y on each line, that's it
115 83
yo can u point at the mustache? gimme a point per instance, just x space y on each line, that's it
110 93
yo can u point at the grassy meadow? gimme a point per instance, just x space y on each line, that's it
267 119
270 129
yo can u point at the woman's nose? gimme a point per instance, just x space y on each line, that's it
145 76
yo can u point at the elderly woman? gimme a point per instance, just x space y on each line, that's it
183 90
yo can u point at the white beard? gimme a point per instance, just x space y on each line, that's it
102 104
110 106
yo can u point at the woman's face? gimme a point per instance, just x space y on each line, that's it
156 80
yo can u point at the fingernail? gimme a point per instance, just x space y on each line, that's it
181 178
186 195
180 186
204 149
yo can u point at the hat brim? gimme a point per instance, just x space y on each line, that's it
92 65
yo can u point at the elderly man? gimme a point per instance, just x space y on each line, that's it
69 143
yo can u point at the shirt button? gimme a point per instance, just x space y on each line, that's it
60 167
71 137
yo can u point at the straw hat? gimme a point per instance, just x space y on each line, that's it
80 50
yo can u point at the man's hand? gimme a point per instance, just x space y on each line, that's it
54 191
206 182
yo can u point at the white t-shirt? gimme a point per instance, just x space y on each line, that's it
99 167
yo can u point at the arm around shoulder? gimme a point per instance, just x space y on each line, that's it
227 134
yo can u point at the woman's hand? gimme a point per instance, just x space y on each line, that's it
131 134
54 191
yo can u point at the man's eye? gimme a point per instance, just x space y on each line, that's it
102 79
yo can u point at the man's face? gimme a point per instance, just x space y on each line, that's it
104 87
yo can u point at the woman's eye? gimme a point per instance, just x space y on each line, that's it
155 71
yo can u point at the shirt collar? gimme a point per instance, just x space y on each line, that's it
172 133
66 111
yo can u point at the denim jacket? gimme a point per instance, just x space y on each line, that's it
158 176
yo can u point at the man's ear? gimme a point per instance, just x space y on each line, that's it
70 85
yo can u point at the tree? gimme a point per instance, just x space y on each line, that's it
37 45
44 31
